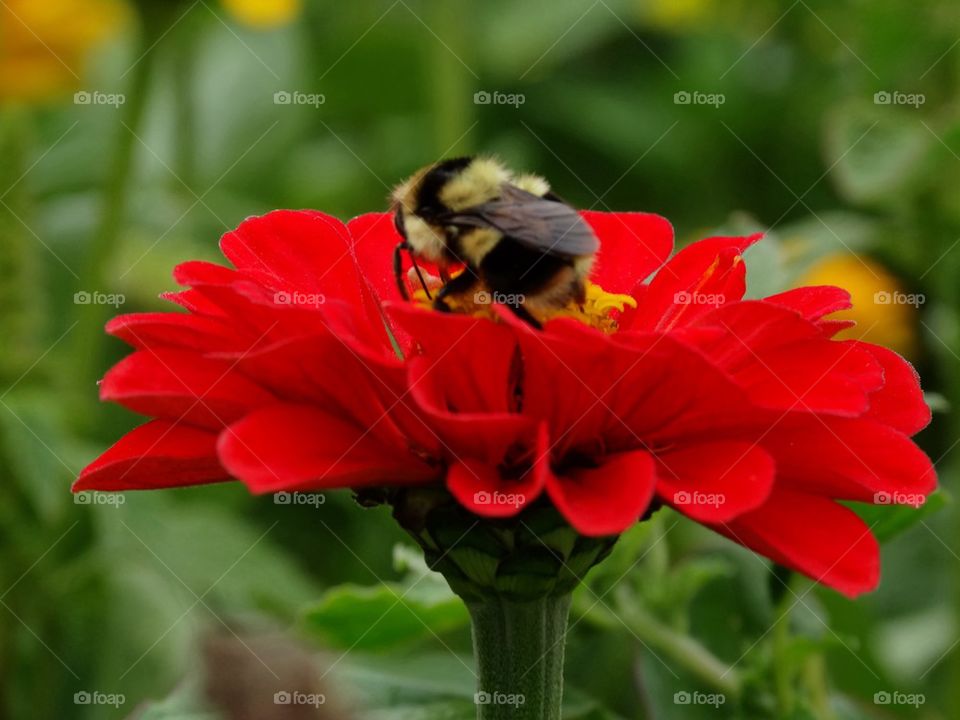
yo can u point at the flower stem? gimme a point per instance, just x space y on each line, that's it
89 345
519 652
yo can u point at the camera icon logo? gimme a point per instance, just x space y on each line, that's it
282 498
482 497
82 97
681 497
282 97
681 98
481 698
681 698
82 698
282 697
882 698
882 98
482 97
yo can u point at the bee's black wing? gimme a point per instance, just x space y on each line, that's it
547 225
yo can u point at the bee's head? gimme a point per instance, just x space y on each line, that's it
422 203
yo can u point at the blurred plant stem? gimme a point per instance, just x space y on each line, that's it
681 648
21 296
155 20
451 84
184 75
782 676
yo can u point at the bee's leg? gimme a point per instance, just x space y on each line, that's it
398 269
521 312
456 286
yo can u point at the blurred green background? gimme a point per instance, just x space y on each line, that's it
134 135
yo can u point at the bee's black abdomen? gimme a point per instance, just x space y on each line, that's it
513 268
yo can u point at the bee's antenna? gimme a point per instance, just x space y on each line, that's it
398 271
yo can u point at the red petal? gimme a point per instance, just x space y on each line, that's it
177 330
179 385
847 459
608 499
322 369
374 238
784 361
158 454
813 535
702 276
813 302
297 447
899 403
482 488
715 482
632 245
623 391
303 249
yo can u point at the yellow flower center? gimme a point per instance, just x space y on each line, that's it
601 309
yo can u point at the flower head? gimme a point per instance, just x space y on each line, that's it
301 368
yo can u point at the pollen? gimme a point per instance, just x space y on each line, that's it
601 309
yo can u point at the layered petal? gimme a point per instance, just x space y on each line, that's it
632 245
702 276
715 482
813 535
607 499
303 447
158 454
182 386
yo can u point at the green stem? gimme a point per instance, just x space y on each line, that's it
87 356
680 648
451 80
519 652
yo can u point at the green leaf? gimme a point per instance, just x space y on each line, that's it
371 618
888 521
879 151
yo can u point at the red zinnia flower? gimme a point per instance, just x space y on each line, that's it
744 415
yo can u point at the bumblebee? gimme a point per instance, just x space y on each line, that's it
520 245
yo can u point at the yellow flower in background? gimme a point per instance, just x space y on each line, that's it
44 43
886 314
677 14
263 13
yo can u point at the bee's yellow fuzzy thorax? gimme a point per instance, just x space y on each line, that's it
599 311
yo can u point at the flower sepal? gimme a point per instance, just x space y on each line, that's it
529 556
